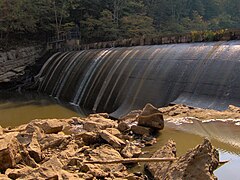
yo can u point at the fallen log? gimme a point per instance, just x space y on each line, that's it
130 160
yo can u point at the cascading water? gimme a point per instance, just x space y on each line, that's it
118 80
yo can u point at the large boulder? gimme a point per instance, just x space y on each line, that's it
151 117
197 163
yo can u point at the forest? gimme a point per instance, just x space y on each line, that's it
104 20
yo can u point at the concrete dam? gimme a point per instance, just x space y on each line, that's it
118 80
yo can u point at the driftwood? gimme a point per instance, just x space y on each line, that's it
131 160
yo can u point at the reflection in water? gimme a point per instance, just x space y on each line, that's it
18 109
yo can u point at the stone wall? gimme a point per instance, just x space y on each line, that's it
14 62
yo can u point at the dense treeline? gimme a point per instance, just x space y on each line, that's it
103 20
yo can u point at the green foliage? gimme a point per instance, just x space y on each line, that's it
104 20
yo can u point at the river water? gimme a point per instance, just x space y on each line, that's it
17 109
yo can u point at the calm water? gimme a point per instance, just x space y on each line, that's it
17 109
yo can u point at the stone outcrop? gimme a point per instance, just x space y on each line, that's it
14 62
199 162
64 149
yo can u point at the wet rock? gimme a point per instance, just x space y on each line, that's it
199 162
131 151
151 117
9 151
140 130
111 139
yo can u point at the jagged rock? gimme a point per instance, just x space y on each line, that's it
140 130
151 117
50 126
199 162
131 151
9 151
53 140
157 170
98 123
103 153
111 139
34 149
89 137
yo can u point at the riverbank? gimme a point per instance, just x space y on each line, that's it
59 148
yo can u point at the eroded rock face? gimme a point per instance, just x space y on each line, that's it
197 163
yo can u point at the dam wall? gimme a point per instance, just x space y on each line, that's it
118 80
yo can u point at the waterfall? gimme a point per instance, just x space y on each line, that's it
118 80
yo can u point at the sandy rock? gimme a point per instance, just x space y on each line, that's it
4 177
30 128
151 117
9 151
17 173
1 130
34 149
131 151
98 123
103 153
114 132
50 126
111 139
89 137
140 130
53 141
233 108
199 162
99 115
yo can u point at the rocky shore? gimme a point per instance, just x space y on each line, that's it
64 149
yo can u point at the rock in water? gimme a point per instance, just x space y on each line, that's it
151 117
197 163
158 170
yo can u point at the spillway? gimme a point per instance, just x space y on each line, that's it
118 80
